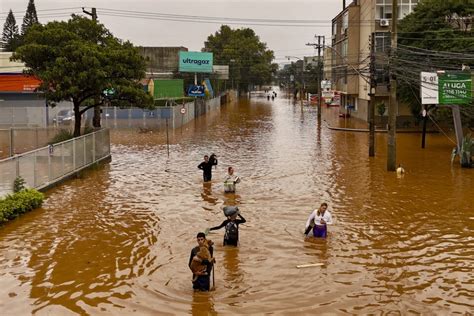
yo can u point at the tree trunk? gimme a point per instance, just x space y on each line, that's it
96 118
77 120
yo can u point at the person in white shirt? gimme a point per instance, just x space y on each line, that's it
230 181
318 221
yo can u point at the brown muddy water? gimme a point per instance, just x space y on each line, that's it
117 241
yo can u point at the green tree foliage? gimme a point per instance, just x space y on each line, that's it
249 60
30 17
10 36
438 33
78 60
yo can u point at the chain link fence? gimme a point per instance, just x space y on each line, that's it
45 166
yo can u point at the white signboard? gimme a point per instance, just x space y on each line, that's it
326 84
429 88
221 71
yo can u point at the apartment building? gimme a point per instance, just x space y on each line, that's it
352 29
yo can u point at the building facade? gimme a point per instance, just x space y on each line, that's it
352 31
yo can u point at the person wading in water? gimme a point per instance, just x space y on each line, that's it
318 221
202 281
231 224
230 181
206 167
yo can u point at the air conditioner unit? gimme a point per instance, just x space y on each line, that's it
384 22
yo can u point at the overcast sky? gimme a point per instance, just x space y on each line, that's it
283 40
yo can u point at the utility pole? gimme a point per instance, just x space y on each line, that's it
319 77
393 106
373 84
97 110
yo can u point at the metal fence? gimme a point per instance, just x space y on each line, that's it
18 140
45 166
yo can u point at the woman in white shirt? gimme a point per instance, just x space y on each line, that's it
318 221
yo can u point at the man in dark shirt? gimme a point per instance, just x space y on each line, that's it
206 167
231 224
203 282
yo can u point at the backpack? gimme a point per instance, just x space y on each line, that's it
231 231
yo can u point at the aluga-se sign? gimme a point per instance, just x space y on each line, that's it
195 62
455 88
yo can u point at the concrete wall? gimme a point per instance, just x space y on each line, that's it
161 59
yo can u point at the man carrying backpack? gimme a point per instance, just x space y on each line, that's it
231 224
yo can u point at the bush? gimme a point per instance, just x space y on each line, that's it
21 202
61 136
18 184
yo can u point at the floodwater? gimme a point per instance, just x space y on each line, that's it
117 241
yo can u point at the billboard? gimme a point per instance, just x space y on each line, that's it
195 62
455 88
168 88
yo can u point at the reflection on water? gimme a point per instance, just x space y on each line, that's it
117 241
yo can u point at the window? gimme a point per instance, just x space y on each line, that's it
382 76
383 8
334 28
344 50
382 41
345 22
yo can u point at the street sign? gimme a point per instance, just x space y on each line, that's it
183 110
221 71
429 88
196 91
455 88
195 62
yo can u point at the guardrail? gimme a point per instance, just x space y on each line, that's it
45 166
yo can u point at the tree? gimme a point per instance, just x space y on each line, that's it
249 60
437 35
78 60
30 17
10 34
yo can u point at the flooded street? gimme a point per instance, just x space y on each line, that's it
117 241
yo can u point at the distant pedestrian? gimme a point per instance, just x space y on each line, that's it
206 167
230 181
268 97
318 221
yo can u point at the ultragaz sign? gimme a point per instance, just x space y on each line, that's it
195 62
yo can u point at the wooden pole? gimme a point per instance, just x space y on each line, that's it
393 106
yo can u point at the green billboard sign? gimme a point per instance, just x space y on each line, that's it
455 88
195 62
